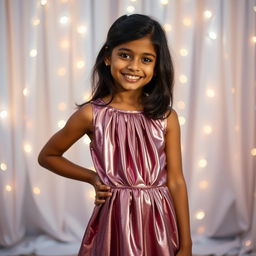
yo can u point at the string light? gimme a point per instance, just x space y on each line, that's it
187 22
81 29
253 151
210 93
207 14
183 52
201 229
181 104
64 20
164 2
86 96
183 79
203 184
61 71
33 53
27 147
212 35
167 27
43 2
8 188
207 129
133 0
202 163
254 39
200 215
3 114
130 9
80 64
61 123
25 92
254 8
3 166
62 106
35 21
247 242
91 194
36 190
64 44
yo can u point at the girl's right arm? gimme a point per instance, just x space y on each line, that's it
51 157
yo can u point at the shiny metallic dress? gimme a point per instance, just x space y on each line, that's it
128 155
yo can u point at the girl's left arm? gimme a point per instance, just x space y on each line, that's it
176 183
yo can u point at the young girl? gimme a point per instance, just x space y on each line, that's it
141 205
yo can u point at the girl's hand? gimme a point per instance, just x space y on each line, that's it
184 252
101 190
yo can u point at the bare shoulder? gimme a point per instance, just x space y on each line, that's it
173 121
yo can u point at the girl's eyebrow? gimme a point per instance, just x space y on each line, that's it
129 50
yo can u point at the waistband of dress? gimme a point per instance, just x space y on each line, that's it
137 187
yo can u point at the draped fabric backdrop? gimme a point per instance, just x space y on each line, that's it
47 52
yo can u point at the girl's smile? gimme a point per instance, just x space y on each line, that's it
132 64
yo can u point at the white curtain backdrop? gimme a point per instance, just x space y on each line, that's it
47 52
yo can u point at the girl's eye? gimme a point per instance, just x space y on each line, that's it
124 55
147 60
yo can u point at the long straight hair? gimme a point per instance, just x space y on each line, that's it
157 95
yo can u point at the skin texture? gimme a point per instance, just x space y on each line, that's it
137 57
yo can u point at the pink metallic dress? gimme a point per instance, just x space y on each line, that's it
128 155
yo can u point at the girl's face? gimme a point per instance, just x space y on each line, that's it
132 64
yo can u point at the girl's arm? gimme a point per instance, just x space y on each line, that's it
51 157
176 183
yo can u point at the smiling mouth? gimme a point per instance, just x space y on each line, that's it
131 78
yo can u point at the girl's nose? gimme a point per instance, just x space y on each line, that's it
133 66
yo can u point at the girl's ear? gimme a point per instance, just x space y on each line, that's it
107 61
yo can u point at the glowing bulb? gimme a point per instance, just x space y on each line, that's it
212 35
181 104
36 190
80 64
254 8
92 194
207 129
133 0
33 53
202 163
164 2
61 71
64 20
248 242
27 148
8 188
253 151
187 22
81 29
233 90
254 39
201 229
207 14
200 215
210 93
183 52
43 2
64 44
61 123
3 166
62 106
203 184
182 120
86 96
3 114
25 91
87 140
183 79
35 21
167 27
130 9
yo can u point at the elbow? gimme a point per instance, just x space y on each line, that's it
41 159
